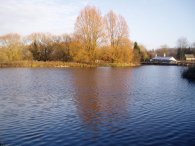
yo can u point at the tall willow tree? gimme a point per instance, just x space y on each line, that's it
117 34
89 30
116 29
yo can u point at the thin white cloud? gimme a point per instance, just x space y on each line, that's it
38 16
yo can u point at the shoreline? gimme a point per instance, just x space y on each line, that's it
60 64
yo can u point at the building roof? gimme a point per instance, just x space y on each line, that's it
164 58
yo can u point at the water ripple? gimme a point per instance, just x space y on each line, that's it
149 105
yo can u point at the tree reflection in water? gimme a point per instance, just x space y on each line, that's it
102 102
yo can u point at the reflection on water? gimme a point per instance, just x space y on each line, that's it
101 95
148 105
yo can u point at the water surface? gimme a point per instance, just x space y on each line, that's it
148 105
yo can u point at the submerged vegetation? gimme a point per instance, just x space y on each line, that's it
97 40
189 73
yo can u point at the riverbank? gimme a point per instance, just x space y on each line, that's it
178 63
60 64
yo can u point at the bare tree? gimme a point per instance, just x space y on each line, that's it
193 45
116 28
110 27
182 43
10 39
89 29
122 31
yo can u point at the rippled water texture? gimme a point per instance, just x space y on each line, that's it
148 105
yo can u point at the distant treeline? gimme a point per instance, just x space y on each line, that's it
96 38
182 47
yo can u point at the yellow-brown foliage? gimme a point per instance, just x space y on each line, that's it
96 39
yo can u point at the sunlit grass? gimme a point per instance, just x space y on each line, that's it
61 64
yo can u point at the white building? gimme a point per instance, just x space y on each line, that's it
169 60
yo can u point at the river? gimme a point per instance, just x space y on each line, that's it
147 105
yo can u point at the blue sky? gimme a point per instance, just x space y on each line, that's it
151 22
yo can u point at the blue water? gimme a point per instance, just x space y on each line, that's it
148 105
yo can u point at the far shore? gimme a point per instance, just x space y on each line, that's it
61 64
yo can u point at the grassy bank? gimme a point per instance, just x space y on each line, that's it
189 73
60 64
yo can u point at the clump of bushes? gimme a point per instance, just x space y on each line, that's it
189 73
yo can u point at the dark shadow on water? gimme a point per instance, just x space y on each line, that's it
1 144
189 73
191 81
186 74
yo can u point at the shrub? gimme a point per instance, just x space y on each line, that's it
189 73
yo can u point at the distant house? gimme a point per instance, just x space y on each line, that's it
189 57
164 60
